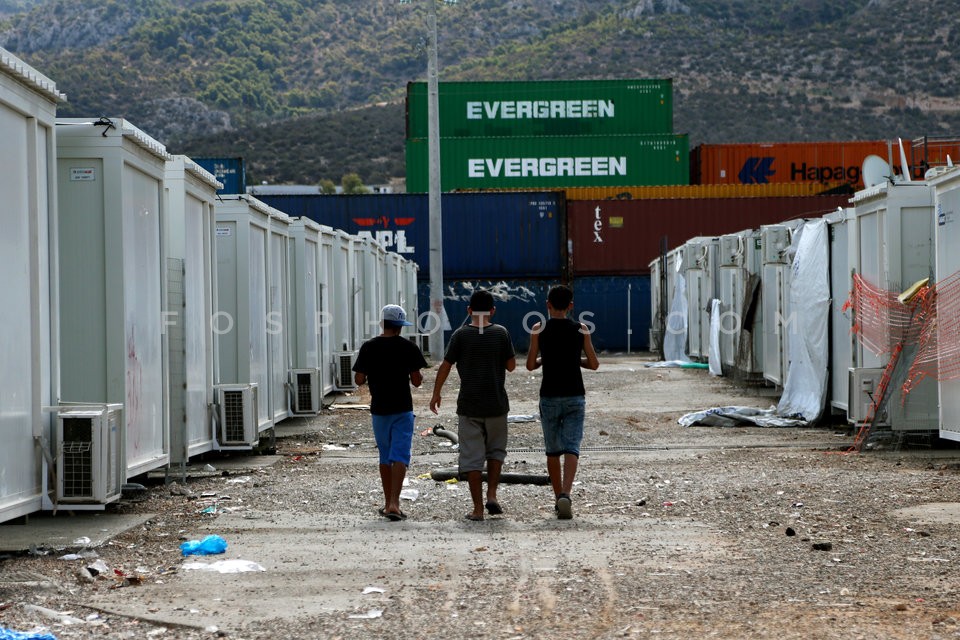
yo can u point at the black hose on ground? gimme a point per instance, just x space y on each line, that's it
443 433
442 475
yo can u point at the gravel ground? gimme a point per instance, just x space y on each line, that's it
678 532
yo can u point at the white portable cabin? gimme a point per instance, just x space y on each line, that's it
306 324
391 291
657 309
345 296
669 338
113 284
843 261
279 315
739 259
371 265
249 319
946 185
775 242
895 235
28 259
329 308
701 269
409 272
191 194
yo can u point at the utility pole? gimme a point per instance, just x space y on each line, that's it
434 208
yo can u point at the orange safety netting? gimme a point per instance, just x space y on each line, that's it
945 327
880 320
885 325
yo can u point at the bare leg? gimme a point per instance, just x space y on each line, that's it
398 471
556 479
493 479
386 480
475 480
569 471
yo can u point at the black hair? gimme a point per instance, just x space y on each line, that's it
560 297
481 300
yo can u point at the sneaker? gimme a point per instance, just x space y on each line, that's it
563 507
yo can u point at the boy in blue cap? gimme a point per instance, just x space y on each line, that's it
390 363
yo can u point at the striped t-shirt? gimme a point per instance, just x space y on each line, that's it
481 355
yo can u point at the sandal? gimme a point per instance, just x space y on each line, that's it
474 518
494 508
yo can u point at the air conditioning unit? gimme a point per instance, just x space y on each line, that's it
343 362
305 384
775 242
90 463
238 415
863 389
422 340
731 250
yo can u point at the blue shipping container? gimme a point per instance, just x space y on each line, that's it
229 171
520 304
616 305
485 235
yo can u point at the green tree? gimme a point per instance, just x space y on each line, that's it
327 186
353 184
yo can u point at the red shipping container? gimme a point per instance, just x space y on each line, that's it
622 237
778 162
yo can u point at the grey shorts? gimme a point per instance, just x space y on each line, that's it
481 439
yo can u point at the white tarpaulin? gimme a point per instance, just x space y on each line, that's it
675 340
804 390
716 367
733 416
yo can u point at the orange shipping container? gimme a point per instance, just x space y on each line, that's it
788 162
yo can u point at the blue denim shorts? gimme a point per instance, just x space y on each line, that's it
394 436
562 422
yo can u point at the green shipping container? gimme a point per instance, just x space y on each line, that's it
552 162
544 108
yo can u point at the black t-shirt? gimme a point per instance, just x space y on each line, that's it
388 361
561 345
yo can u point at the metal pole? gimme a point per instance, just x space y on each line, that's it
436 229
629 326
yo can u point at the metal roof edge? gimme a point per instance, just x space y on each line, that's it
20 70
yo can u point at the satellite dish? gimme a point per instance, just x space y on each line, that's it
875 171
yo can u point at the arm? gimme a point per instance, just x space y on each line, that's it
511 364
442 374
533 362
591 361
416 378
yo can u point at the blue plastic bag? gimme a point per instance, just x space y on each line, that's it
9 634
210 545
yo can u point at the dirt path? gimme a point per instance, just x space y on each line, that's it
678 532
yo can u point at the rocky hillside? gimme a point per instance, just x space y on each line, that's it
311 89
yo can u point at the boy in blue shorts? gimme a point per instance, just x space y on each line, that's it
561 346
390 363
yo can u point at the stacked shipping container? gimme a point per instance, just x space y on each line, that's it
511 242
548 134
814 163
